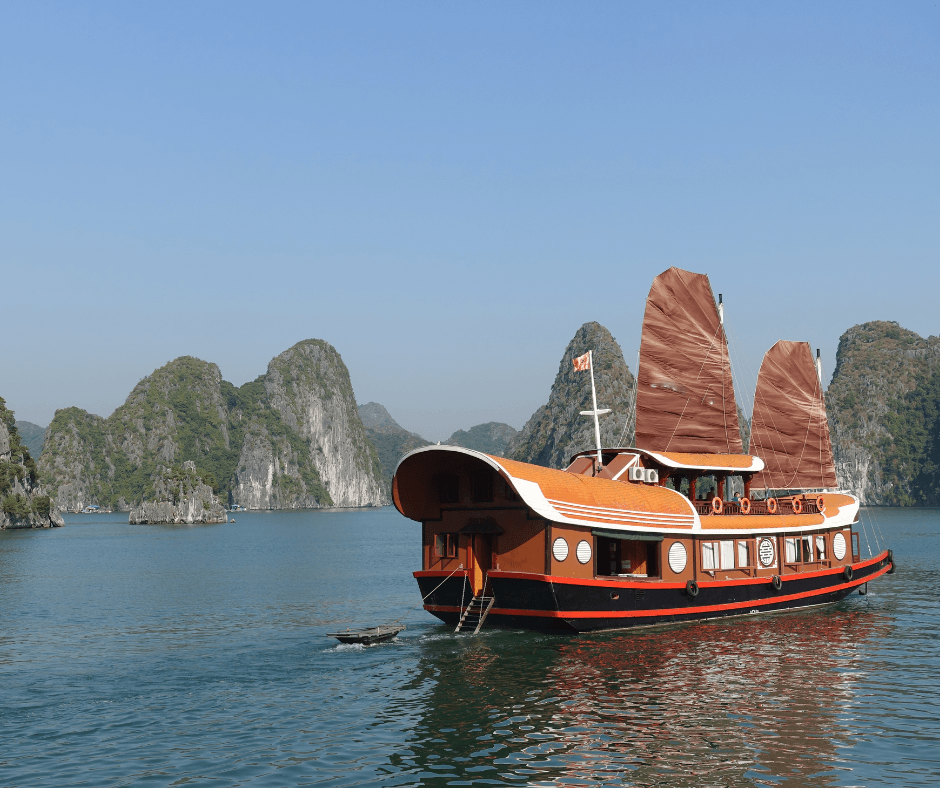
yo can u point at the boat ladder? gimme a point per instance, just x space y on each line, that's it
475 613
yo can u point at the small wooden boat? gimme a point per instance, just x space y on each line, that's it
368 636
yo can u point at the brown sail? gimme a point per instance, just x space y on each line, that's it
685 397
789 430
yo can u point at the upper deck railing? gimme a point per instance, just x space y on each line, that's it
784 506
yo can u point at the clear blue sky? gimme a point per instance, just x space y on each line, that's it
447 191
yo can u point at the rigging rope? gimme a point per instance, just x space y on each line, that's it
425 597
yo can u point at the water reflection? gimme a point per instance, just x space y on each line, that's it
752 702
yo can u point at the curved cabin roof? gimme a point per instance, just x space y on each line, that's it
557 496
593 502
729 463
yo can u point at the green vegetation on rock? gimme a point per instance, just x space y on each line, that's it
284 440
557 430
490 438
23 503
32 436
390 439
883 405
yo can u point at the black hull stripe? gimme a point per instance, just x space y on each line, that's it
678 611
586 606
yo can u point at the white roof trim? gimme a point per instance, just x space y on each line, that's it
757 464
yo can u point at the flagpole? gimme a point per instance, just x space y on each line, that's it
579 364
597 424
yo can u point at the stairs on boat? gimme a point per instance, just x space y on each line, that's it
475 613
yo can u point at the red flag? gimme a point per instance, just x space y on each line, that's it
582 363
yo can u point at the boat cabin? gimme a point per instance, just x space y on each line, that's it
636 516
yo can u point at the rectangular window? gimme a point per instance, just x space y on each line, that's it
807 556
445 545
799 550
727 554
821 547
744 554
709 555
481 487
448 489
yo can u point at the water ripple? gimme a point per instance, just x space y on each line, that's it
136 656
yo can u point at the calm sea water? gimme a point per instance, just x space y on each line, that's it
198 656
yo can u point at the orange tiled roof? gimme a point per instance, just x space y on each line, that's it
604 500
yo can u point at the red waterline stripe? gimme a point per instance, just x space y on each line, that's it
664 612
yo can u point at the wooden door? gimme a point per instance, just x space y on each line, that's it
633 557
480 561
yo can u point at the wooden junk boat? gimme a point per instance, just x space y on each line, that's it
622 537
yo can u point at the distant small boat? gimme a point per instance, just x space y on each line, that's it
367 636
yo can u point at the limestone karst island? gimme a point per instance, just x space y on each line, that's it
186 445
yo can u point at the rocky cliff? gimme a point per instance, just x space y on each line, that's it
23 503
391 440
180 496
309 390
491 438
557 430
292 438
883 404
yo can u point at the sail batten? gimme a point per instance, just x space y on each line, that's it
789 429
685 395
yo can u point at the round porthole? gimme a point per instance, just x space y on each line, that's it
560 549
678 557
765 551
583 552
838 546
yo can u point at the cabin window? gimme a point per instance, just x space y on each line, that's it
626 557
807 542
720 555
727 554
745 554
799 550
821 547
448 489
481 487
445 545
710 555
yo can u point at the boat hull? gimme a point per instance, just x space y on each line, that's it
544 602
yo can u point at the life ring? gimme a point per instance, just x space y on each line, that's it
820 504
772 505
691 588
848 572
776 582
745 505
717 505
891 559
797 505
